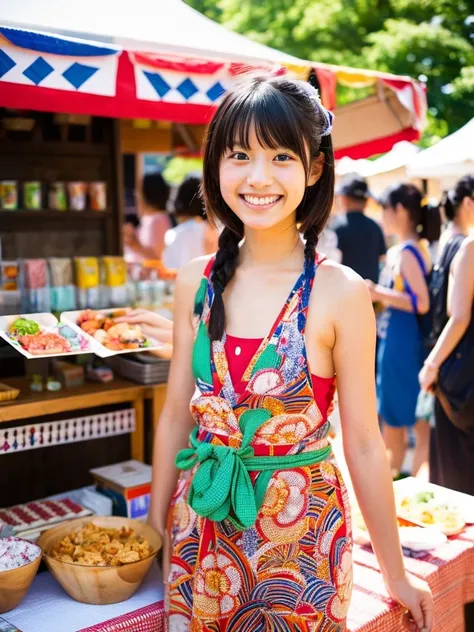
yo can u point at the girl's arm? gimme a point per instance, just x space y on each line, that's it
364 449
411 271
460 299
176 421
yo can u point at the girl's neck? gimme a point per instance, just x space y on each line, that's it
408 235
268 248
457 228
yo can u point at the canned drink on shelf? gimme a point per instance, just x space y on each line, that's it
32 195
9 195
57 196
98 196
77 195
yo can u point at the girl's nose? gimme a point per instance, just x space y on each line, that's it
259 174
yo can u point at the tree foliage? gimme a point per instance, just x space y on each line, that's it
432 40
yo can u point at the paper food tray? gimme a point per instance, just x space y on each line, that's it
463 502
71 318
48 324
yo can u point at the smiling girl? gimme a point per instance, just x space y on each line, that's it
259 524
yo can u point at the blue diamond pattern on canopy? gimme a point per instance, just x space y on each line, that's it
38 71
6 63
159 84
78 74
187 88
215 91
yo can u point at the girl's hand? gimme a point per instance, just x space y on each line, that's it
414 595
372 290
428 376
153 326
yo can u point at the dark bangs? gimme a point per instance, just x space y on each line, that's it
274 118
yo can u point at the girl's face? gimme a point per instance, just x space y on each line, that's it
263 186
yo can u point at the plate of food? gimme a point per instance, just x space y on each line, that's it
412 537
41 335
428 505
110 337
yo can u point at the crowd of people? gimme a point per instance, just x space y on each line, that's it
423 292
176 237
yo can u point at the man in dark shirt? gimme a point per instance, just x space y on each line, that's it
360 239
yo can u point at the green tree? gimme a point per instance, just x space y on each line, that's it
431 40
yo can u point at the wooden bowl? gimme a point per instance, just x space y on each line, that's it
15 583
99 584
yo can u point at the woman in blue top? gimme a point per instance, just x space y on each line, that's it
403 291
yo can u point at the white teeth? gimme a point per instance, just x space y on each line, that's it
261 201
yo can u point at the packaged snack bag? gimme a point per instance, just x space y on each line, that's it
88 283
114 280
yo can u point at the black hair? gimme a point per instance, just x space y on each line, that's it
284 113
155 190
425 218
452 199
131 218
188 200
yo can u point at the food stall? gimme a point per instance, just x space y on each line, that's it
76 94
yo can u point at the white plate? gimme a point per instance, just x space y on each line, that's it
461 502
48 324
71 319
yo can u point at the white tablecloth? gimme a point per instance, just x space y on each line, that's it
47 608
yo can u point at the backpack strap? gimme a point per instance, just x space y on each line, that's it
421 262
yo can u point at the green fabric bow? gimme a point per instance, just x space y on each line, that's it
221 486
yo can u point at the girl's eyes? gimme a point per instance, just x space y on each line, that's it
239 155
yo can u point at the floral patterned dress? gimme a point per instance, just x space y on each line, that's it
291 571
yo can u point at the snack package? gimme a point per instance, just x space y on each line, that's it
77 196
114 273
98 196
63 291
35 296
10 294
9 195
32 196
57 198
88 283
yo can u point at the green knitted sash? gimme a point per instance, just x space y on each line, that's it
221 486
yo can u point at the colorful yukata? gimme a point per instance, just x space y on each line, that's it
284 563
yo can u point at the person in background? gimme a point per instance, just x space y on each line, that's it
148 241
359 238
404 294
452 449
194 236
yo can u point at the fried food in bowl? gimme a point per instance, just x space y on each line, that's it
93 545
100 560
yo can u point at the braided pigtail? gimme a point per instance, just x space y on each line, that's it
222 272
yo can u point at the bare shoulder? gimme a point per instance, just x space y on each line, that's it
467 247
190 275
341 284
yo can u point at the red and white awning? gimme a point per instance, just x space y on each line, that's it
49 71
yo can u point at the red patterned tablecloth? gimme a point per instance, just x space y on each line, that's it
449 570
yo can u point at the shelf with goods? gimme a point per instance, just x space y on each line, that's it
49 150
62 149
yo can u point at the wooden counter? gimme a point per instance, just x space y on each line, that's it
90 395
